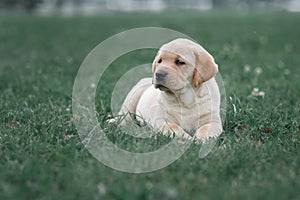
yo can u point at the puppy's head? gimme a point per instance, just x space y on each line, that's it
180 63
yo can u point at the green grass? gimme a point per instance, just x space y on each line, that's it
257 156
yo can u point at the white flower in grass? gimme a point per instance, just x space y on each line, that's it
149 185
93 85
286 72
261 94
247 68
171 192
101 188
255 92
258 70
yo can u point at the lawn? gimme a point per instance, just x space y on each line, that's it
42 156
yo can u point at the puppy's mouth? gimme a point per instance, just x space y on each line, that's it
162 87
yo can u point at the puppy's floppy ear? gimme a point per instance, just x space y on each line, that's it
205 66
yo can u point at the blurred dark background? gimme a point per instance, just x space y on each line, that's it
89 7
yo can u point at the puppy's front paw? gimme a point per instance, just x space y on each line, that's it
202 132
207 131
172 128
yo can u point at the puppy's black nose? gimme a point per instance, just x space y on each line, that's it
160 75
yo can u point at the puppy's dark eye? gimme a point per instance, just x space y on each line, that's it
160 60
179 62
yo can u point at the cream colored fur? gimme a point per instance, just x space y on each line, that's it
182 94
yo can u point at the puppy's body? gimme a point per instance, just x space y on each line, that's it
181 95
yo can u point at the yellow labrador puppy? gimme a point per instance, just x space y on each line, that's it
182 94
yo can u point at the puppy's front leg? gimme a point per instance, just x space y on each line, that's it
213 129
175 129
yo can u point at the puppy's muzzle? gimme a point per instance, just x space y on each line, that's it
159 82
160 75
